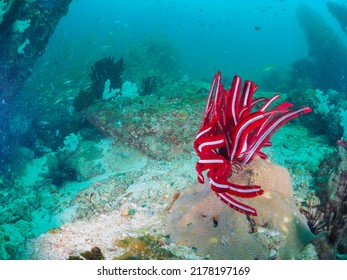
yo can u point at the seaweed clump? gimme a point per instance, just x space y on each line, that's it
101 71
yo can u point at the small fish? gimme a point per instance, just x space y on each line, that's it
67 82
266 68
257 28
105 47
42 123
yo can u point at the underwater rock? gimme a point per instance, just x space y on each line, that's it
339 12
328 55
154 127
24 32
25 28
309 253
199 219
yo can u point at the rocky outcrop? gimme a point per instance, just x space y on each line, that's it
25 29
327 55
199 219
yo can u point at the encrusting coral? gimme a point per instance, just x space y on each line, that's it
199 219
143 248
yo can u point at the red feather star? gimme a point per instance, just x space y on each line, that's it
234 129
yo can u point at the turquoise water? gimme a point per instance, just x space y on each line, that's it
72 144
208 35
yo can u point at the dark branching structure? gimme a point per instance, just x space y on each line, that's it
106 69
101 71
61 168
84 99
149 85
320 217
338 231
329 215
